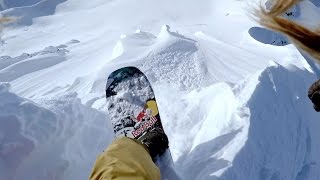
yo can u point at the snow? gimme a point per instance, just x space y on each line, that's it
231 94
37 140
282 130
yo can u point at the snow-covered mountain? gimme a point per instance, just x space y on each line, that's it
232 95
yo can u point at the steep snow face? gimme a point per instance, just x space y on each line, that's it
39 141
232 95
282 126
268 115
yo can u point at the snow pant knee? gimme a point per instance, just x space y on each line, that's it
126 159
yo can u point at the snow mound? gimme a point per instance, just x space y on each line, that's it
171 56
12 68
156 56
282 137
39 143
250 129
136 43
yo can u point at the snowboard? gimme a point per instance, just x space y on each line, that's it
133 111
131 103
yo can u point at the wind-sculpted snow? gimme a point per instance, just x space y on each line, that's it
135 43
264 129
215 121
173 51
284 129
46 140
13 68
227 113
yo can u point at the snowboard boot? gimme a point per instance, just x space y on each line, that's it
156 141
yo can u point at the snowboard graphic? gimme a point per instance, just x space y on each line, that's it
133 111
131 103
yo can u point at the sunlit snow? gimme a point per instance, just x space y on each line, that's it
232 95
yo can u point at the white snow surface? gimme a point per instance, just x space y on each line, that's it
231 94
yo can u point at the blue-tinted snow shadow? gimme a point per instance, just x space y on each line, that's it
315 2
66 137
6 4
284 130
267 36
312 63
14 147
198 164
27 14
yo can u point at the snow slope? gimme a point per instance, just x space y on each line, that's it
232 95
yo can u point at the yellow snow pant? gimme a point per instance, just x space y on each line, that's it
125 159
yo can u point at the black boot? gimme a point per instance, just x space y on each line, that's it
156 141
